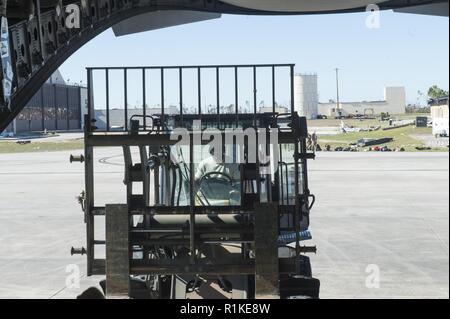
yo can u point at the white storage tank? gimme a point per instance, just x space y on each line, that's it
306 95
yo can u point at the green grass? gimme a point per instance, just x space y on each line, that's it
361 123
13 147
403 137
349 122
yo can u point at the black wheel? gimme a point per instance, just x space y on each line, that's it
299 287
165 287
305 268
92 293
138 289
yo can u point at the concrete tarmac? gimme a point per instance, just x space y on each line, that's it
381 223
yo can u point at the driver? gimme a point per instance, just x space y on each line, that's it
216 163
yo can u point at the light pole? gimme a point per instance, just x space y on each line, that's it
338 106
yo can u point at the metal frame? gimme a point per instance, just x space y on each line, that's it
195 233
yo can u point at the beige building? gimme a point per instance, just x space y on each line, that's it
394 103
439 111
440 119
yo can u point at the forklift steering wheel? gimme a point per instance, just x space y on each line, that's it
226 180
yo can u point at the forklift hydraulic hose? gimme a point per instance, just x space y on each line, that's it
174 186
180 184
285 239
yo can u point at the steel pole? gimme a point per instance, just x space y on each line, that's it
338 104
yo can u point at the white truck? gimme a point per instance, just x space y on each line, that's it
440 127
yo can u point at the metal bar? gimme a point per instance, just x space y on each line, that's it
107 99
286 176
89 181
222 270
212 66
117 251
236 94
218 93
246 267
157 186
180 220
185 242
280 182
273 90
144 98
199 88
166 180
215 232
128 164
266 252
90 101
255 101
297 201
258 170
292 90
145 188
297 211
181 95
287 185
89 198
181 210
258 164
125 87
296 172
268 177
286 118
162 98
305 165
192 202
159 139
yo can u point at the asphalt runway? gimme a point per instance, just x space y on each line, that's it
381 223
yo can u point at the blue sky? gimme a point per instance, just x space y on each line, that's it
407 50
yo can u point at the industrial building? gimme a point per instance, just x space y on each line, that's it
115 118
57 106
394 103
306 101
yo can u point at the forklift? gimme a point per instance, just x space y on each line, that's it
217 202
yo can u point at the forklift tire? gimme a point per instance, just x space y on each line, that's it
138 289
299 287
305 268
92 293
